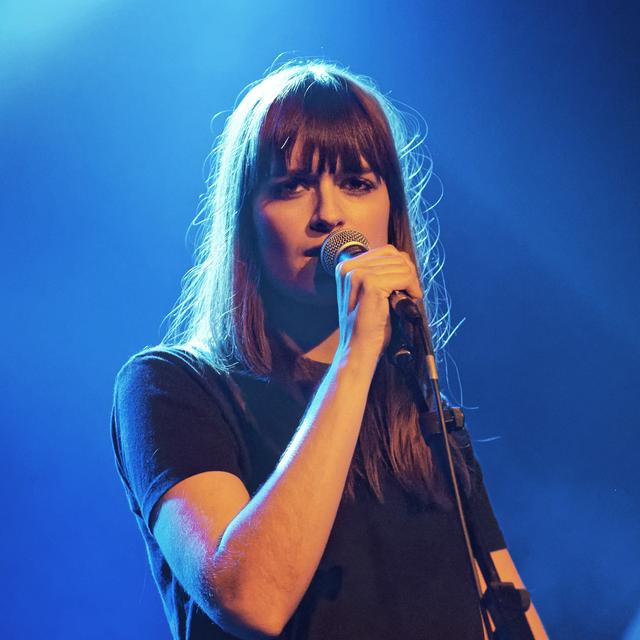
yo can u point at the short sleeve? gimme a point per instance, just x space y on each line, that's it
168 424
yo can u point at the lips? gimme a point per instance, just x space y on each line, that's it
313 252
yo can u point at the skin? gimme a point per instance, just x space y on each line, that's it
249 560
292 215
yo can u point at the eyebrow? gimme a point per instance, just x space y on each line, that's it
302 174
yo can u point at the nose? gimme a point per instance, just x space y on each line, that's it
328 211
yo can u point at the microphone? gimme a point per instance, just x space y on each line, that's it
347 243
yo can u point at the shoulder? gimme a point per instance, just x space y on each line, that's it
171 419
160 381
165 358
167 367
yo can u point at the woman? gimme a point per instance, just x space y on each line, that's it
269 449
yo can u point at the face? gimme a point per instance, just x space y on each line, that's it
294 213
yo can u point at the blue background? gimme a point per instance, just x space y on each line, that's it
105 111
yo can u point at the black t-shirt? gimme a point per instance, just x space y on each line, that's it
390 570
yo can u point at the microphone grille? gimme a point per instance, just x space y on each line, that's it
336 242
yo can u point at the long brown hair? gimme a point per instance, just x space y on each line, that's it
336 116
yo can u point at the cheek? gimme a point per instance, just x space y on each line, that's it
375 222
273 236
268 237
380 233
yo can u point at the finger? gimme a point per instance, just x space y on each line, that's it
366 261
414 289
386 276
388 253
348 283
401 268
381 283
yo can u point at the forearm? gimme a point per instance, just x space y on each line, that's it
508 573
270 551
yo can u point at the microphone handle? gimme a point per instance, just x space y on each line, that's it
405 306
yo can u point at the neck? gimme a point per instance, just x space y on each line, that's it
313 329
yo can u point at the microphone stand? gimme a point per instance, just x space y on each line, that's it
412 349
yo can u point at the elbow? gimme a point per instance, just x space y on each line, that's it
242 613
249 623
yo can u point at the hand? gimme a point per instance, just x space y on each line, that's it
364 284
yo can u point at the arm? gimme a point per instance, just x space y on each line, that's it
248 562
507 572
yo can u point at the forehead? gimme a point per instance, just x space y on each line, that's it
306 156
323 129
314 161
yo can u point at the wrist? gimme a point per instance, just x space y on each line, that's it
356 359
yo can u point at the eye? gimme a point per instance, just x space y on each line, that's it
357 185
287 189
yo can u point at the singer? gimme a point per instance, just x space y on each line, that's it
269 448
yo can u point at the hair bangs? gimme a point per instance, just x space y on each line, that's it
330 127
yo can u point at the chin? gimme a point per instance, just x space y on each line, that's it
321 294
311 285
